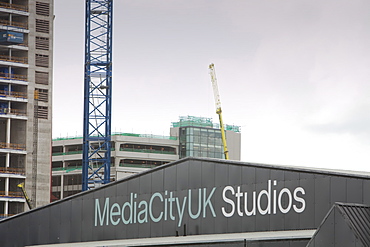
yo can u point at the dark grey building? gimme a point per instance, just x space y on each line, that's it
206 202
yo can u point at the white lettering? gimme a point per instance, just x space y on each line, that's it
115 213
180 210
157 194
268 196
98 212
299 199
229 201
287 209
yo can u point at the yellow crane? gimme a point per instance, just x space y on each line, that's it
218 107
28 200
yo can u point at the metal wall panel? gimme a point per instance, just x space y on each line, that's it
170 177
322 197
157 180
76 214
182 177
338 190
221 175
291 220
307 219
197 172
145 183
65 224
73 219
366 193
354 188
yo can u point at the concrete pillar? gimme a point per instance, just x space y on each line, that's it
7 160
7 138
6 207
6 186
61 186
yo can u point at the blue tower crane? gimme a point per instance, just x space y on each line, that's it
96 158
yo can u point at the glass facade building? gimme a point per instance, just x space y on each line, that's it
200 137
200 142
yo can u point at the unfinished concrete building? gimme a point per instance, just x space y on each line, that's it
26 33
134 153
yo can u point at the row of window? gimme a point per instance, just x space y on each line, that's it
75 179
41 60
42 9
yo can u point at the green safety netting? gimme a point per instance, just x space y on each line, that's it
123 134
202 122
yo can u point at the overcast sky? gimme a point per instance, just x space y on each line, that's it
295 74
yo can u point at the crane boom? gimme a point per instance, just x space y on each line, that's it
28 200
218 107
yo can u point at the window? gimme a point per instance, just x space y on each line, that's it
42 43
42 9
42 112
75 179
43 94
42 60
56 180
42 77
42 26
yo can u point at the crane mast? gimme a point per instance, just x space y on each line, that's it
96 157
218 108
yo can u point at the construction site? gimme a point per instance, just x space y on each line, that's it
109 188
25 103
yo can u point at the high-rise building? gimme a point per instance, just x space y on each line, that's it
200 137
26 41
133 153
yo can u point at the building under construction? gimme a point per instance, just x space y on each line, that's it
132 153
26 41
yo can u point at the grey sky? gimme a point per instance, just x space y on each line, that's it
294 74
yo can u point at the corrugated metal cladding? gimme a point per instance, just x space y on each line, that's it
194 197
344 225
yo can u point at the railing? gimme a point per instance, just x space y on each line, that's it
13 112
137 165
17 194
72 152
67 169
71 168
123 134
3 216
4 145
10 170
14 24
146 136
68 153
14 6
147 151
14 59
10 76
13 94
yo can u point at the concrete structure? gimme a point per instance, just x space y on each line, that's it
26 41
207 202
133 153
